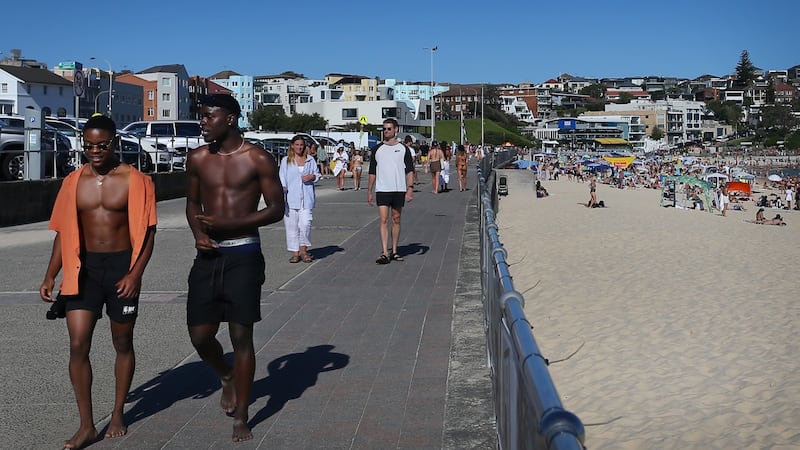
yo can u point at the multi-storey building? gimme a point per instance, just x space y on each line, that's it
172 97
21 87
241 89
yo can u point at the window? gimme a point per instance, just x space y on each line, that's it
165 113
4 88
61 90
44 90
165 97
349 113
150 95
388 112
165 81
150 112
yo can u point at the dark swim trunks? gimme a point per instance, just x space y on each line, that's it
99 274
225 285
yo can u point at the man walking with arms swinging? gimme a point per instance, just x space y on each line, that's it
391 178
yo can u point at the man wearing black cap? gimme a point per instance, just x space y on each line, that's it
226 180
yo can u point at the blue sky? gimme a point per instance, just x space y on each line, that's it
499 42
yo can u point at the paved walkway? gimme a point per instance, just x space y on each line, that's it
350 354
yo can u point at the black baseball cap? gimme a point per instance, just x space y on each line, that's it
224 101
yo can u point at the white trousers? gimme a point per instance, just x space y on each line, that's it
298 228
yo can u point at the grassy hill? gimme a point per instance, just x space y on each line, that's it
494 134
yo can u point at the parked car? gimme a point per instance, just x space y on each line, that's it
55 148
180 136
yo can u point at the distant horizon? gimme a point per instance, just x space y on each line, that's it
509 44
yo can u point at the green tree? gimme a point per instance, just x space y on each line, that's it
745 70
625 97
657 133
304 123
770 93
596 91
777 117
658 95
728 112
269 118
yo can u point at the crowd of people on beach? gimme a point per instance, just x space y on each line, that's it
777 192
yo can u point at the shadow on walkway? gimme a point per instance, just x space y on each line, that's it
290 375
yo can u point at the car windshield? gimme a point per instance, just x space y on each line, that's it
187 129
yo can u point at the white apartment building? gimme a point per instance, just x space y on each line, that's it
173 91
241 87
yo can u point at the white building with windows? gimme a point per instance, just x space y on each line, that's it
173 98
41 89
241 87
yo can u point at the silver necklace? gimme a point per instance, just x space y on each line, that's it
241 146
101 178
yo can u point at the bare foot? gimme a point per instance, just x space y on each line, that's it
228 399
241 432
116 427
81 437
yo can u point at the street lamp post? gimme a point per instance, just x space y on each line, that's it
97 97
110 85
433 95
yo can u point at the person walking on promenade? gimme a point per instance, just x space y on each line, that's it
323 160
105 223
408 141
592 193
435 156
391 177
357 166
461 167
340 168
226 179
298 172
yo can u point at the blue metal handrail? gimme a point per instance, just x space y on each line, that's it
528 409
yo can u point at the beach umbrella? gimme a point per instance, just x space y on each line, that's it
775 177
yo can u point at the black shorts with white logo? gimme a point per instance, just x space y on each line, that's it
97 286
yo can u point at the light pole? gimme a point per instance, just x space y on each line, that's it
433 94
97 97
481 117
110 85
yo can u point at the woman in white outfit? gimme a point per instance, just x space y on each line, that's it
340 169
298 173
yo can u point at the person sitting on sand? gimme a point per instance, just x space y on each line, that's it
760 216
777 220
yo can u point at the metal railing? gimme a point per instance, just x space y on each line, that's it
528 409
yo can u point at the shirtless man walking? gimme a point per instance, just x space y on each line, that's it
227 178
105 223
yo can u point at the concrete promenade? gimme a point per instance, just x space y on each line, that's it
350 354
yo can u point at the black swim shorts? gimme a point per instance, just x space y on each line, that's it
394 200
96 286
225 286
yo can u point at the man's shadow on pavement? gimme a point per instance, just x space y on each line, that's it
324 252
414 248
194 380
290 375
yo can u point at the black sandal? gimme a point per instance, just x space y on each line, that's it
396 257
383 259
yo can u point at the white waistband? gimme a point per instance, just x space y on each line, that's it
239 241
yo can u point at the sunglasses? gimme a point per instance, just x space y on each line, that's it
388 129
100 145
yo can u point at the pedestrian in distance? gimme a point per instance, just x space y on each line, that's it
227 177
298 172
391 178
105 223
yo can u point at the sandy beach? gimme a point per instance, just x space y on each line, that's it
684 324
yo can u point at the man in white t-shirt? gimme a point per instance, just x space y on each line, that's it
391 178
